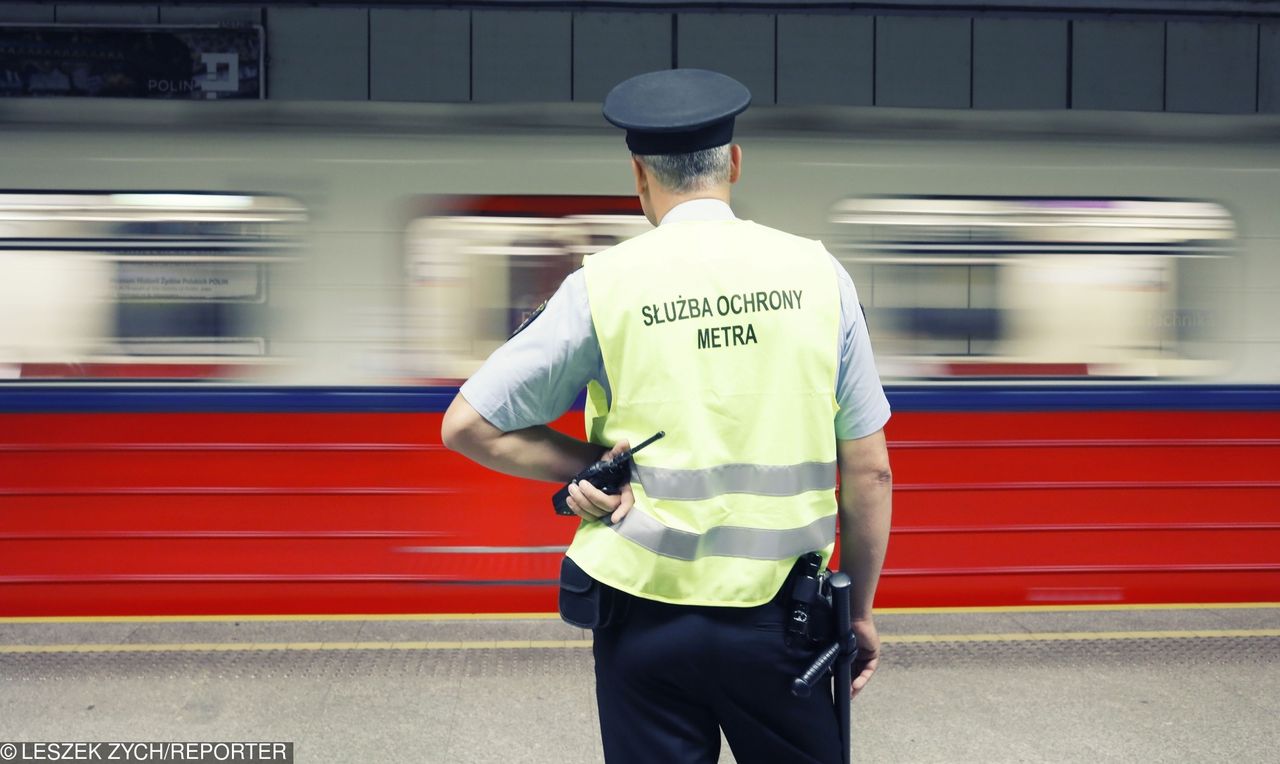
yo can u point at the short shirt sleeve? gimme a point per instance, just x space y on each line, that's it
864 409
536 376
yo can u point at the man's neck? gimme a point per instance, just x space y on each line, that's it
665 202
703 209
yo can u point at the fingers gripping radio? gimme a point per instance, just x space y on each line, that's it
609 475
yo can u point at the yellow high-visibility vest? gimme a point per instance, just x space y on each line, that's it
724 335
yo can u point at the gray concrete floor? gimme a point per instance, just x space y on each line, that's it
1177 695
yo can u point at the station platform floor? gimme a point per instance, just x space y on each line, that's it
1097 684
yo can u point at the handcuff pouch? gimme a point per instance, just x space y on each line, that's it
808 603
587 603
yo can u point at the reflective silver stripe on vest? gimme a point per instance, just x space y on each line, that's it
726 540
760 479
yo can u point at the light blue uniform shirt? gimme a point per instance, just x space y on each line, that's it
537 375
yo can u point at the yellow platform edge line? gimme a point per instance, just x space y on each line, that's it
1081 636
322 617
225 647
555 644
1100 607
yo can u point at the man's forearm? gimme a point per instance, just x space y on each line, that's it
866 508
865 512
539 453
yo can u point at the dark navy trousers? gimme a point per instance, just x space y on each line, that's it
671 677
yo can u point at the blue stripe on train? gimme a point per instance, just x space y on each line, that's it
85 398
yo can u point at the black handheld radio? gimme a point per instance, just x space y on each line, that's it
609 475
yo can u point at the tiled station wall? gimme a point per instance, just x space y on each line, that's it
981 62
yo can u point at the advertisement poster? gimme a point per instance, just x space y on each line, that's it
166 62
190 282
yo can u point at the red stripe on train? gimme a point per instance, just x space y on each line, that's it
134 514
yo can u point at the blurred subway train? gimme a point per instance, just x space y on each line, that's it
228 333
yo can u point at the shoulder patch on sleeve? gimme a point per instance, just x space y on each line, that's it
532 315
528 319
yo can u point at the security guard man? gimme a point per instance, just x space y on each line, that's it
747 346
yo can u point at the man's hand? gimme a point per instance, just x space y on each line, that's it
590 503
868 657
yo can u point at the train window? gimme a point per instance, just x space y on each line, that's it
139 285
1036 287
479 265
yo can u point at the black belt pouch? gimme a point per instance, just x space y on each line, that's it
587 603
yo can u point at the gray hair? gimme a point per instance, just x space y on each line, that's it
685 173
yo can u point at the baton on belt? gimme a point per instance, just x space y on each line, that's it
840 654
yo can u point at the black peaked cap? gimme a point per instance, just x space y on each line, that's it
676 111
